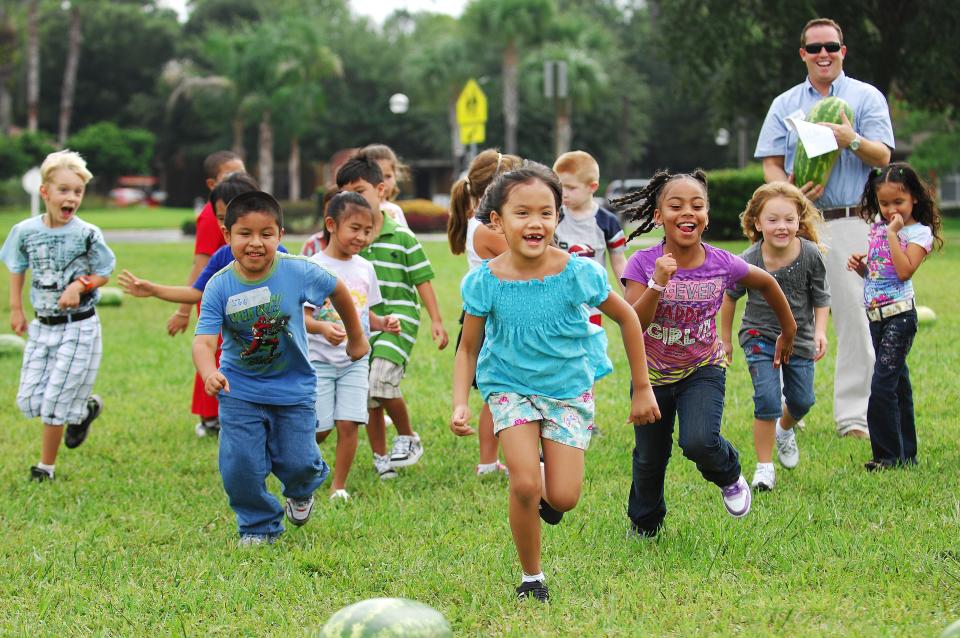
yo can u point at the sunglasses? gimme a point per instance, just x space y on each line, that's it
814 47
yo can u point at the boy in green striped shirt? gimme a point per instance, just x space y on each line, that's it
403 272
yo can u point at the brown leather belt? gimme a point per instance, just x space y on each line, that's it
839 213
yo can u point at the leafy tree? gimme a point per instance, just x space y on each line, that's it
111 151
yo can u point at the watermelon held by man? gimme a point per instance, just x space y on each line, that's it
817 169
387 618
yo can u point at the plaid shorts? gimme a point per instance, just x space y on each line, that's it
385 377
60 364
566 421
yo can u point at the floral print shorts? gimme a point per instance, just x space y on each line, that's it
566 421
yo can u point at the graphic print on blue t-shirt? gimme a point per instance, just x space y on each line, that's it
257 329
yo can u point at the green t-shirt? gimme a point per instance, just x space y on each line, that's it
401 265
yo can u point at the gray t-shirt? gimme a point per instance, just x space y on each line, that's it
804 282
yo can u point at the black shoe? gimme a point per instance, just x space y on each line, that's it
548 514
874 465
39 474
639 532
77 433
534 588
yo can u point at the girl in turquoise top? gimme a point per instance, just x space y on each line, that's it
540 356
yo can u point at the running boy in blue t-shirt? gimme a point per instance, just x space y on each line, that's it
265 382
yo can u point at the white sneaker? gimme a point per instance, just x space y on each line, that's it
207 427
787 450
340 495
298 511
406 451
382 465
253 540
737 498
489 468
763 478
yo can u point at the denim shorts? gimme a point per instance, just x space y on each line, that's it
797 382
566 421
341 393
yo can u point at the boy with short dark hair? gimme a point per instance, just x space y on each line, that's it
588 229
403 272
209 239
266 383
69 260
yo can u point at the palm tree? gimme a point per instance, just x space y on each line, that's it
8 49
510 24
33 66
74 38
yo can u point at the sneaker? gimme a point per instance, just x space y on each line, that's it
548 514
382 465
490 468
298 511
77 433
208 427
737 498
787 450
340 495
536 589
874 465
763 478
39 474
407 450
253 540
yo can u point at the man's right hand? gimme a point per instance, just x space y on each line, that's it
811 191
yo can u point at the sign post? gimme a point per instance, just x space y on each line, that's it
472 116
31 181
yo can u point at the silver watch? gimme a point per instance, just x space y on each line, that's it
855 143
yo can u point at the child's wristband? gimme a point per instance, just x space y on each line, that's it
86 282
653 284
185 315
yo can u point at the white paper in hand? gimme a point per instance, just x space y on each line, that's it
817 139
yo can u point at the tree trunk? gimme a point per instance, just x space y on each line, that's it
68 90
456 148
238 127
265 153
33 66
564 127
293 169
510 116
9 43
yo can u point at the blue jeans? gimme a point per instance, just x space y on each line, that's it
797 389
698 402
257 439
893 432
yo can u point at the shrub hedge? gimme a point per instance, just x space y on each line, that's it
730 190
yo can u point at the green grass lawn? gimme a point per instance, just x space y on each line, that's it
139 217
136 537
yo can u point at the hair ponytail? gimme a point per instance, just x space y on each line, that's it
460 207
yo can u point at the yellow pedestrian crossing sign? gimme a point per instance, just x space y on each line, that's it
472 113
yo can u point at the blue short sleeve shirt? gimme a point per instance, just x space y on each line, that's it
871 120
265 357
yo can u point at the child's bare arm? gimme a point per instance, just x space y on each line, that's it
905 261
326 329
133 285
18 322
820 331
342 300
618 263
857 262
204 359
464 369
644 408
386 323
70 298
437 331
180 318
727 310
644 300
763 282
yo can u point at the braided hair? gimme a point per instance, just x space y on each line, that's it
640 205
925 210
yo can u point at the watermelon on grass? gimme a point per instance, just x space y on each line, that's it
818 169
11 344
110 296
386 618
